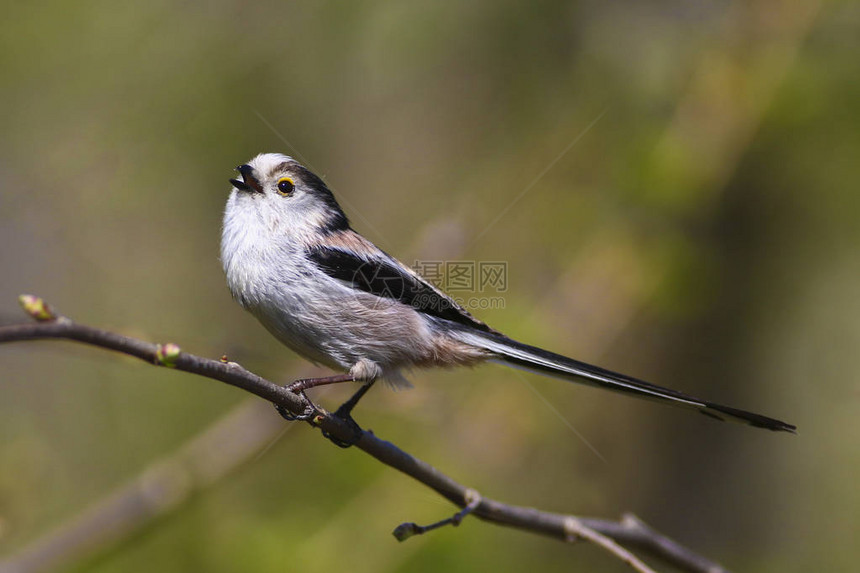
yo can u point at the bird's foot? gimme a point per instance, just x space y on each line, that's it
307 413
298 388
356 430
345 413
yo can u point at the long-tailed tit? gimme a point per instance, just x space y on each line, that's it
332 296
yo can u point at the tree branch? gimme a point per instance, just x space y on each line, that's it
568 528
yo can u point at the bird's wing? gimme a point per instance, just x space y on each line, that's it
382 275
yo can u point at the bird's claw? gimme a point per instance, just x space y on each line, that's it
310 411
306 415
357 432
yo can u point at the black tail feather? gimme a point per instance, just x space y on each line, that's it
558 366
756 420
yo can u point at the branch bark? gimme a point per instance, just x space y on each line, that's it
629 530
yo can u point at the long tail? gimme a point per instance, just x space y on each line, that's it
548 363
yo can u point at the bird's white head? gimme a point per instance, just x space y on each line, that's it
286 199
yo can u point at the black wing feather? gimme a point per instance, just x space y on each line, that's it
386 278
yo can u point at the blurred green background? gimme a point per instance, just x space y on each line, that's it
673 185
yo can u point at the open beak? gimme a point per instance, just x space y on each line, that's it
249 182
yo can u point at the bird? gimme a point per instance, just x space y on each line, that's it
293 261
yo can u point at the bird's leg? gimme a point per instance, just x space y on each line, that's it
345 414
345 410
308 383
298 388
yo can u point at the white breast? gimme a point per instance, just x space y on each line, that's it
321 318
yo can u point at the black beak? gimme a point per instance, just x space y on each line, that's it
250 182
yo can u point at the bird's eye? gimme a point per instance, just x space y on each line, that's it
285 186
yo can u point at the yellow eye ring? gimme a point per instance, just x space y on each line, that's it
285 186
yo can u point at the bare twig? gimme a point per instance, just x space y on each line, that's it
406 530
629 531
577 530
